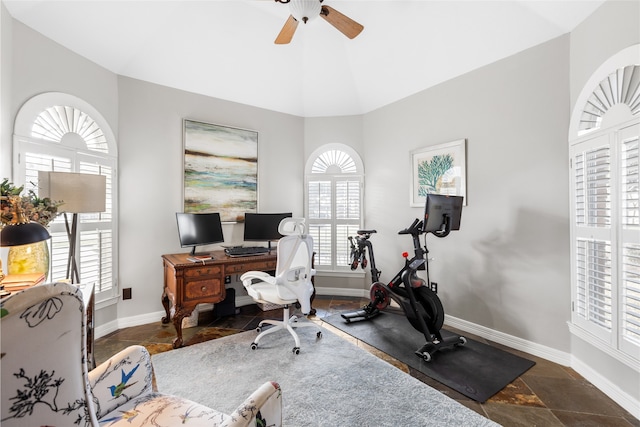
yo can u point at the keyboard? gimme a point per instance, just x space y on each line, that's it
246 251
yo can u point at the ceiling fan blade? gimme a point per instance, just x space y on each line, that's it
343 23
286 33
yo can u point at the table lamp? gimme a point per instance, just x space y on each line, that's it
20 231
80 193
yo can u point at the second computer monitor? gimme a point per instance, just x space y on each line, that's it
263 227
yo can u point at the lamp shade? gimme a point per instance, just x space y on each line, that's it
78 192
23 234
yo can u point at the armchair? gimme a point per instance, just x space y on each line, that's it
46 382
291 283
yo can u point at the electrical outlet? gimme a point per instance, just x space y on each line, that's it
434 287
227 280
126 293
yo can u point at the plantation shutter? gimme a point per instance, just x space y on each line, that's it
334 208
630 242
593 238
606 237
319 196
95 248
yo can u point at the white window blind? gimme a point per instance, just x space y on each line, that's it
593 302
606 237
629 232
95 251
333 207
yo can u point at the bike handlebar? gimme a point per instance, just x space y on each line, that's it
414 229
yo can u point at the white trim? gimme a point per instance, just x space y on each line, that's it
628 56
628 402
341 273
30 110
335 146
548 353
343 292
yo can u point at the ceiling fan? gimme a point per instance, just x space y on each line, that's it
305 10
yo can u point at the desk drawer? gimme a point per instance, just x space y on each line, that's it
202 271
209 289
249 266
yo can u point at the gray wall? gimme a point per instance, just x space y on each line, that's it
6 128
151 167
508 267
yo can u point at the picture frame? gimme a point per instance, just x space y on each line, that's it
220 170
438 169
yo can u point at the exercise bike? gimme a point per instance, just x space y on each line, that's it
416 297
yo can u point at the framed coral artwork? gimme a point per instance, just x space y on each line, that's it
220 170
438 169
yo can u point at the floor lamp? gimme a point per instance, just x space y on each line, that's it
79 193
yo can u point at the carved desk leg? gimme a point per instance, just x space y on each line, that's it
165 304
313 296
180 314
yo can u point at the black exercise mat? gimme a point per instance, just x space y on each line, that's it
476 370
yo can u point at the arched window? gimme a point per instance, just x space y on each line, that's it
62 133
605 211
333 203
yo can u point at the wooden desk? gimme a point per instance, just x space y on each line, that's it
17 282
187 283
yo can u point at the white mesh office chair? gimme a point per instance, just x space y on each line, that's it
291 283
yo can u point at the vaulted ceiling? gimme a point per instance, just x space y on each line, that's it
225 49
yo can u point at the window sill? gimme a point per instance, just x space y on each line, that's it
106 302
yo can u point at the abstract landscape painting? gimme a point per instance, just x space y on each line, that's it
220 170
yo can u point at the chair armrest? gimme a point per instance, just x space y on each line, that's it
264 404
249 276
126 375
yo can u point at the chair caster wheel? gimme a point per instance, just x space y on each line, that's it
254 345
426 356
463 341
319 334
258 329
296 350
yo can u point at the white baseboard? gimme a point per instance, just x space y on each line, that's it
340 292
511 341
629 403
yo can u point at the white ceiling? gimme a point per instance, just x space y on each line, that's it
225 49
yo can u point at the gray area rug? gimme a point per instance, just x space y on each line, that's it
330 383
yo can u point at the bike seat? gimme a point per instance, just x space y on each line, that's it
366 231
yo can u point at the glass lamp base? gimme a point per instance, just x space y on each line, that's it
32 258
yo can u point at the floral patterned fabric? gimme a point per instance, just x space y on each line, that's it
45 381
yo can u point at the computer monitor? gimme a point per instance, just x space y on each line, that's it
442 213
199 229
263 227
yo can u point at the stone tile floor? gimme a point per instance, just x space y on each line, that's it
546 395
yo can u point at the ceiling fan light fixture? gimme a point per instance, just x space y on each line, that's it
305 10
